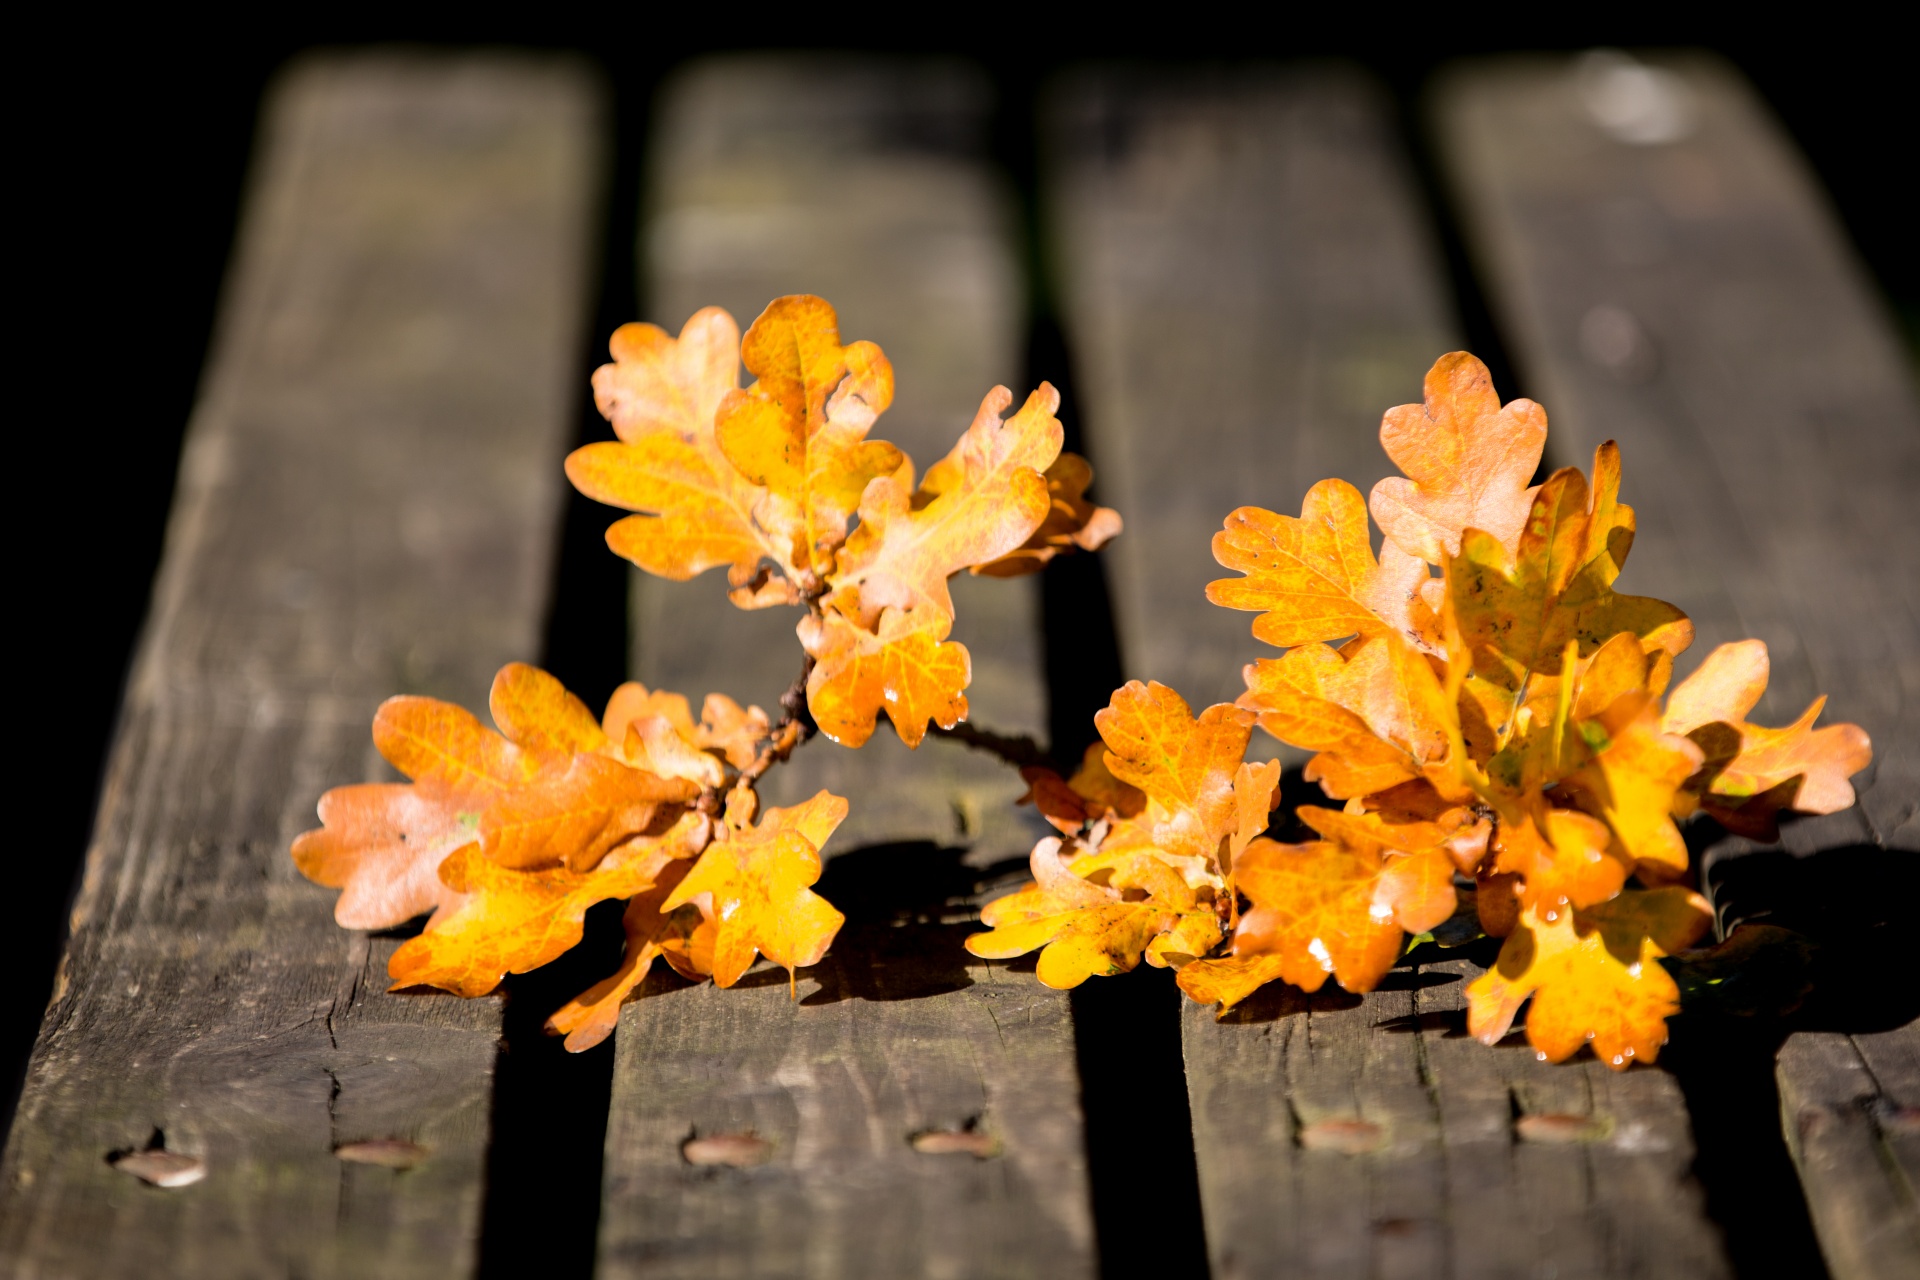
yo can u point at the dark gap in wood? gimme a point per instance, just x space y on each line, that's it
1472 311
549 1113
1140 1162
1722 1055
1133 1083
1083 663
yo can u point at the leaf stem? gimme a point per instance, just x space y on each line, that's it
1020 751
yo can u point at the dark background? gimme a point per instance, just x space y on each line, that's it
136 144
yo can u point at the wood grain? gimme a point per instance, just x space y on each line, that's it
367 505
1850 1106
1248 287
860 181
1693 298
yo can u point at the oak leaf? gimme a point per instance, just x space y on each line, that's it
509 921
1469 461
1749 773
1086 929
696 510
881 641
800 430
1315 575
683 937
1593 975
1328 909
753 882
1188 768
1375 712
1092 793
1072 522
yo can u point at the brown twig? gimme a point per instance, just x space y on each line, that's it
795 727
1021 752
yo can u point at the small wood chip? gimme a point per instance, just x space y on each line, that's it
162 1168
738 1150
1346 1137
1560 1128
388 1153
956 1142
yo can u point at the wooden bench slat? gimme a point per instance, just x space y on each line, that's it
1694 300
859 181
367 505
1248 287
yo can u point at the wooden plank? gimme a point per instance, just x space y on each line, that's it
367 504
859 181
1694 300
1674 280
1851 1109
1248 287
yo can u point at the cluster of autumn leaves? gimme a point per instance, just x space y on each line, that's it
1500 723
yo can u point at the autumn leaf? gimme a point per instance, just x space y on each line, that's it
754 880
683 937
1315 576
1327 909
697 510
1188 768
1375 712
1072 522
1516 614
1468 461
1563 858
1749 773
511 921
800 430
1092 793
383 843
1085 929
1594 975
576 814
881 641
1227 980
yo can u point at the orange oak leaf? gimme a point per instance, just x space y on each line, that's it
882 641
1315 575
383 843
1749 773
1328 909
1186 767
1631 781
1375 712
696 510
754 880
1468 461
1594 976
683 937
510 921
1516 613
800 430
1227 980
1072 523
1563 858
576 814
1419 857
1086 929
735 732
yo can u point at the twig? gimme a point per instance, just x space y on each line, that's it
795 727
1021 752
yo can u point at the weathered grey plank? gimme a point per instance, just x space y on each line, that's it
1851 1109
859 181
1693 299
1248 287
367 505
1673 280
